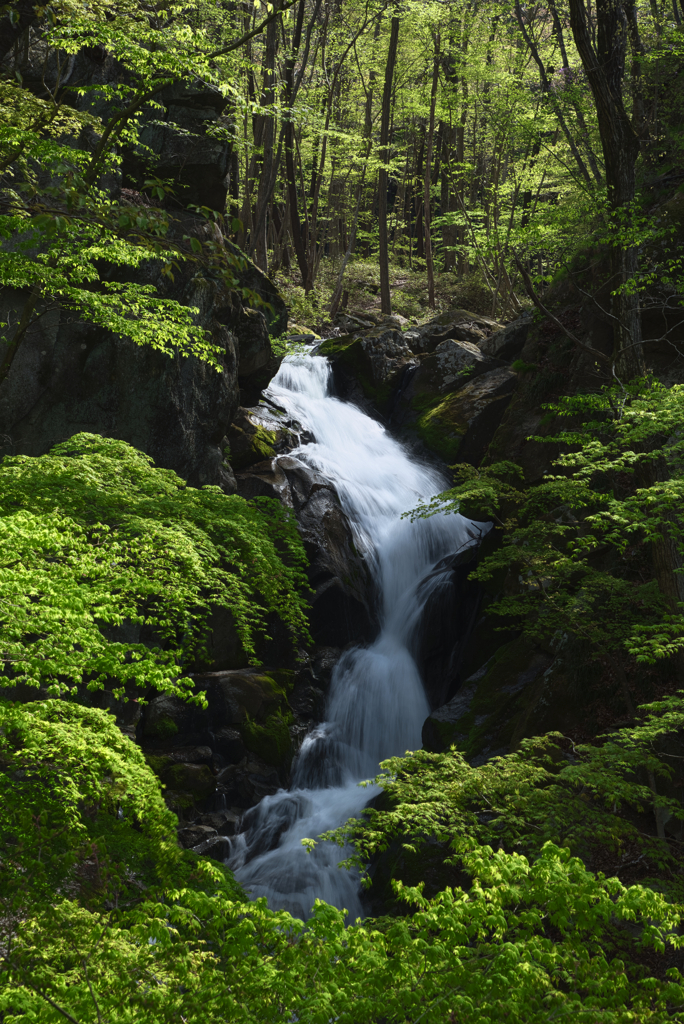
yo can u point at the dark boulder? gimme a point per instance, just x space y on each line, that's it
450 609
341 608
508 343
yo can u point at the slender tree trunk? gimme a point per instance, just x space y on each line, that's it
532 47
428 175
420 236
266 170
591 156
337 295
604 67
383 255
298 242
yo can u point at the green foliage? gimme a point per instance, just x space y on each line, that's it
577 543
95 543
525 942
71 789
549 791
105 919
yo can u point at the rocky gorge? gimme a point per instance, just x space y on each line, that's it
458 387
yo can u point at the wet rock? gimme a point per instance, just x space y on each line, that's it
245 784
191 835
491 713
447 619
323 661
507 343
340 608
264 480
308 703
225 823
366 368
312 683
460 426
216 847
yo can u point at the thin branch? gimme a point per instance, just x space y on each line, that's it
254 32
529 288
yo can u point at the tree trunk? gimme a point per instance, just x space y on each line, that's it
604 67
265 167
428 176
383 255
298 242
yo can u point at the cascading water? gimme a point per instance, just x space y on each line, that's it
377 703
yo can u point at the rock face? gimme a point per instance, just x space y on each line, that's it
70 376
341 609
446 623
218 761
461 426
197 163
445 383
508 343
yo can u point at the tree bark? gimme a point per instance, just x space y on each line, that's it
604 66
428 175
266 166
383 255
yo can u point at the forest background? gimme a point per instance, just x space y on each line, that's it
406 156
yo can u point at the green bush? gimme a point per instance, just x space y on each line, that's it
97 545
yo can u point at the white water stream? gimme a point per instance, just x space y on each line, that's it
377 704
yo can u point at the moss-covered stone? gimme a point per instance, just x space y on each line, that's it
283 678
441 428
159 763
460 424
249 446
162 727
349 353
271 739
195 779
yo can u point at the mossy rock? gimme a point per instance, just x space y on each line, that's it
283 679
441 428
486 715
185 785
348 353
195 779
159 763
162 728
270 740
248 447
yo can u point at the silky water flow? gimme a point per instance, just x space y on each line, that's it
377 704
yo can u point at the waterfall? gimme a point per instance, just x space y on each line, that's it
377 704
